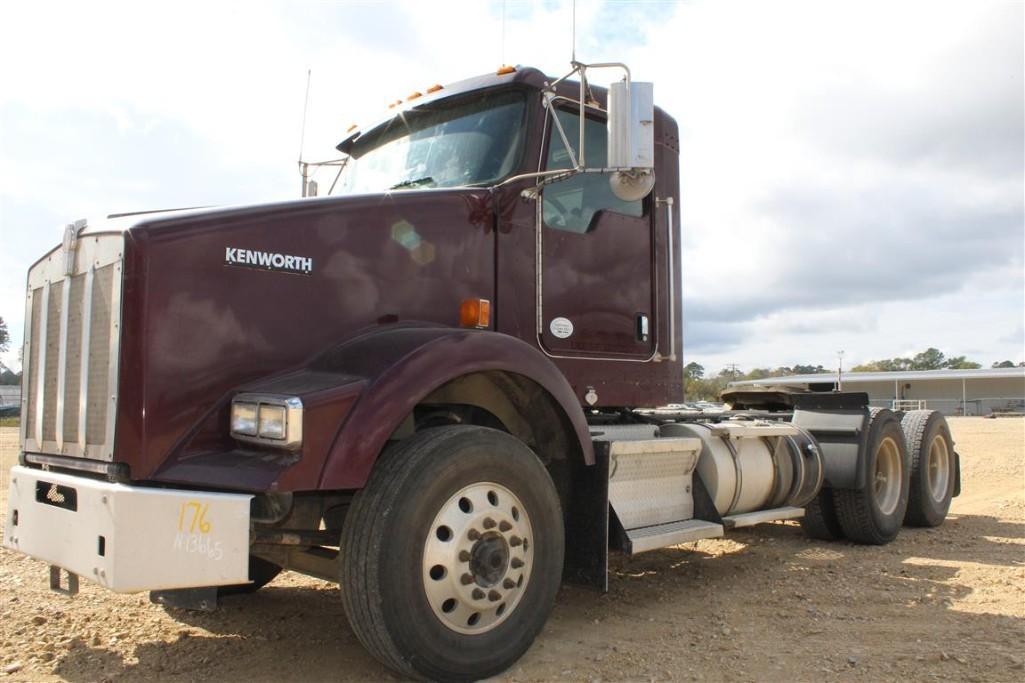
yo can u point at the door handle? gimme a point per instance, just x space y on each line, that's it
642 327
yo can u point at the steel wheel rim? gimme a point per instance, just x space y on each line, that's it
888 476
478 558
939 469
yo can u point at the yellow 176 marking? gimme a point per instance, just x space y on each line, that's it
197 518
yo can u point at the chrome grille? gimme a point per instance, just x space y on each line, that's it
71 348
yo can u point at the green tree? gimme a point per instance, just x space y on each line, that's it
5 338
930 359
693 371
809 370
959 363
1004 364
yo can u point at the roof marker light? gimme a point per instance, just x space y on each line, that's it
350 128
413 95
434 88
505 70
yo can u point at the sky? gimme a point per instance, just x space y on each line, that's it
852 173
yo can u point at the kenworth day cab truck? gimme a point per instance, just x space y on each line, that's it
439 388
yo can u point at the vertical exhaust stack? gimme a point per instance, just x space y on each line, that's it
631 129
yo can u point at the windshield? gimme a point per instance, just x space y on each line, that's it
442 144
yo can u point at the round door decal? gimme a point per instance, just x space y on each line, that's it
561 327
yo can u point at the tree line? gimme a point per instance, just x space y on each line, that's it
699 387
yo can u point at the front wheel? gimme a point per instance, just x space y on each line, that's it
452 554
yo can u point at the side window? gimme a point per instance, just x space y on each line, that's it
572 203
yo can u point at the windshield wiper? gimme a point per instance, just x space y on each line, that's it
413 182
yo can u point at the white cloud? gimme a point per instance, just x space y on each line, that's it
816 138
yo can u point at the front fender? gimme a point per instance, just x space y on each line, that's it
402 365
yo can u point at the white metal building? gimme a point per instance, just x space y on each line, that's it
9 395
953 392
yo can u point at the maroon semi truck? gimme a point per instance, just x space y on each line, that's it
438 387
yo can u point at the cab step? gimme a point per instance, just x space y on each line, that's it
761 516
651 492
673 533
650 480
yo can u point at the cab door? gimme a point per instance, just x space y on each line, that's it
596 257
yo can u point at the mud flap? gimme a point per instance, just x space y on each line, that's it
957 474
587 523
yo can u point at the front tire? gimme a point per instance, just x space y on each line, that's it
452 554
874 514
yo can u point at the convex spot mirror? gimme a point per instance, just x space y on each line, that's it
631 129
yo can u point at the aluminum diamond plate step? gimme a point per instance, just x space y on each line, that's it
663 535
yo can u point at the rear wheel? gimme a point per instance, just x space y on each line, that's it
452 554
933 467
875 513
819 520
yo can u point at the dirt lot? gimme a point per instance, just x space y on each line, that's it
946 603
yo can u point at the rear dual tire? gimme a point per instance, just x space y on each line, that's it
819 520
933 467
875 513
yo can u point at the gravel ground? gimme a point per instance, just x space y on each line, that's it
765 604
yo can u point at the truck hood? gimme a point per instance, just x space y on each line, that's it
214 299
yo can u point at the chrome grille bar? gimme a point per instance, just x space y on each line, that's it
83 392
62 361
41 363
113 358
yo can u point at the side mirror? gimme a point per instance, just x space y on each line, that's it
631 130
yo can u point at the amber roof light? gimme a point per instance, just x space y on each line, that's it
505 70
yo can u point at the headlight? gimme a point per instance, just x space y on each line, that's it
273 421
243 418
268 420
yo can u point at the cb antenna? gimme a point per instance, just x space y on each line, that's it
303 167
574 33
306 104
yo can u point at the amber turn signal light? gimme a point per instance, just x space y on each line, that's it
475 313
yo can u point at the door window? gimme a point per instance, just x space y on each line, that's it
572 204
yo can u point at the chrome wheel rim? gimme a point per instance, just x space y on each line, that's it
888 476
939 469
477 558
